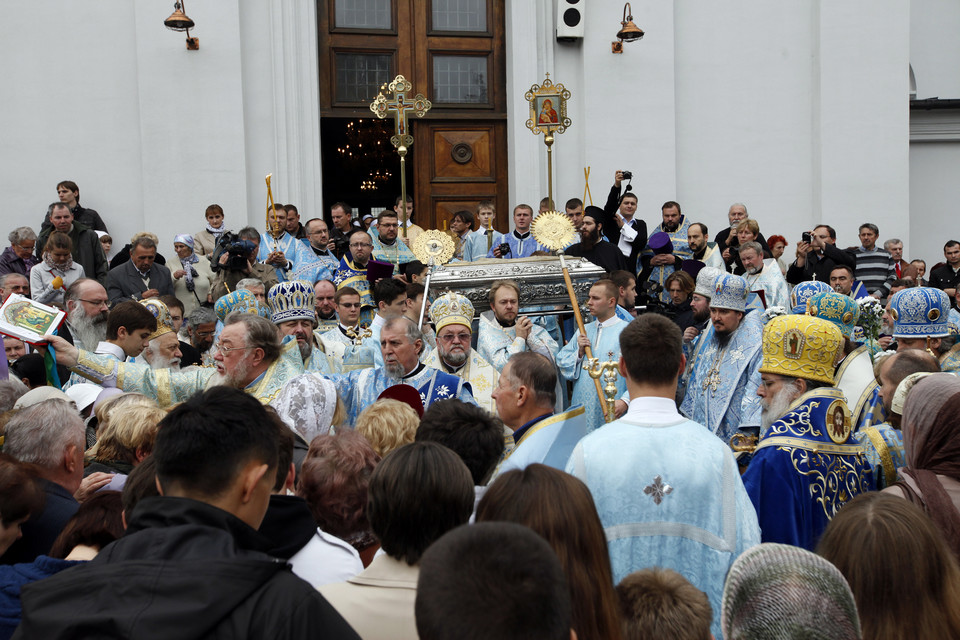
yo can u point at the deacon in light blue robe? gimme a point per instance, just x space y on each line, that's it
549 441
475 246
497 343
605 347
726 399
668 494
296 254
359 389
520 246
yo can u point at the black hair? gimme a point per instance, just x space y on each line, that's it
472 433
203 443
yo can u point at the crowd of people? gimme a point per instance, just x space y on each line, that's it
284 433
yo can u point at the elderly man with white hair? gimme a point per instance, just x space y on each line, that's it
163 346
452 314
808 463
50 436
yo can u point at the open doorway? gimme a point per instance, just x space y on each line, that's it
360 166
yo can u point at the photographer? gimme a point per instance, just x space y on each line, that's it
235 258
519 243
817 255
620 223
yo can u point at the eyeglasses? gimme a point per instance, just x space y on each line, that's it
349 305
97 303
455 337
228 350
358 245
29 247
205 334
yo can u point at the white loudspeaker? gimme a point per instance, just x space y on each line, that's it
570 20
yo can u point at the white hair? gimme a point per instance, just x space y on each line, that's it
41 433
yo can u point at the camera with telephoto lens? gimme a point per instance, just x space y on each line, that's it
237 251
504 249
648 300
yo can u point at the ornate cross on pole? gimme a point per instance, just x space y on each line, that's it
398 107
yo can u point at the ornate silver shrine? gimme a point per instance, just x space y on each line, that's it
540 279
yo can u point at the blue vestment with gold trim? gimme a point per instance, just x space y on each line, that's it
360 388
806 466
348 275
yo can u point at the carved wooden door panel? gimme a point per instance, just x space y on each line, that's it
453 51
462 164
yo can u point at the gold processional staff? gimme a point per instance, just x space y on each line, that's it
554 230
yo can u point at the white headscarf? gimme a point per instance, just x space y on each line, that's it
306 404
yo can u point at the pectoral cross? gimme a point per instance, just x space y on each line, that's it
398 107
712 381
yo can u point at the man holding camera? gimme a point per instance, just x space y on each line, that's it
817 255
238 260
518 243
622 228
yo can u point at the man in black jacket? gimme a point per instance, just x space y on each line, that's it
817 258
191 564
621 225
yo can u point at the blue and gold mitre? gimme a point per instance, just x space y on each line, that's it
801 347
920 312
804 291
706 280
162 314
730 292
843 311
240 300
291 300
451 308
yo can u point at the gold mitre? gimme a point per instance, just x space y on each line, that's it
451 308
162 314
801 347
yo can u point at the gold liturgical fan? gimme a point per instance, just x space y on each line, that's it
554 230
432 248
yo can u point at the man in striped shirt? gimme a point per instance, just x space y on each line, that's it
875 267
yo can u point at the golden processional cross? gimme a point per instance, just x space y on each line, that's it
398 107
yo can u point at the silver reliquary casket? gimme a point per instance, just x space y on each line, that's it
540 279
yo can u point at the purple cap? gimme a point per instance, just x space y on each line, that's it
660 242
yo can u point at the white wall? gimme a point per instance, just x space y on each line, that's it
103 94
934 194
935 47
934 135
797 109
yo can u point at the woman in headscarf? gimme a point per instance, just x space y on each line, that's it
931 442
50 278
191 282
